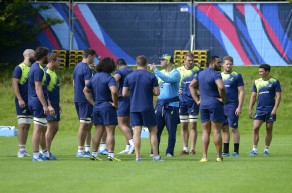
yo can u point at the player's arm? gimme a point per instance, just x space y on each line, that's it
15 83
173 77
277 103
252 101
41 97
118 78
194 90
88 95
156 91
240 90
51 108
114 92
125 91
221 90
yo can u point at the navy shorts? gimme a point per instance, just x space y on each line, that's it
264 116
147 119
123 106
37 109
22 111
230 118
56 117
84 110
188 108
212 114
105 116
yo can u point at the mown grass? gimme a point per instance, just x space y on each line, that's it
178 174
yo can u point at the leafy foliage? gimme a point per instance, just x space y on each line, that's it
19 22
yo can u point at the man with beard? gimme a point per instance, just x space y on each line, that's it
19 85
212 94
234 86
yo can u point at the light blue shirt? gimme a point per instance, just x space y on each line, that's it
168 84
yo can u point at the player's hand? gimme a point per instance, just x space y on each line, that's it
46 110
250 113
273 113
220 99
152 67
21 103
237 111
114 105
52 110
180 91
198 103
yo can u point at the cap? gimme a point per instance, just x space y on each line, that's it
166 57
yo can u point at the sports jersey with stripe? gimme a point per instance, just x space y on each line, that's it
21 72
231 82
266 91
53 86
186 77
36 74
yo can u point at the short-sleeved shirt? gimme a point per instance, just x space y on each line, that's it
53 86
266 91
21 72
82 72
36 74
208 88
141 84
123 72
232 81
186 77
100 84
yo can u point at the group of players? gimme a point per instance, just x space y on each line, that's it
126 99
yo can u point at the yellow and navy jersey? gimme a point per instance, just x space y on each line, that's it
36 74
231 82
53 86
21 72
186 77
266 91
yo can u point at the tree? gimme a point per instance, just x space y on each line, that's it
19 22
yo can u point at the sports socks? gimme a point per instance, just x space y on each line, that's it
226 147
102 146
236 147
87 148
111 154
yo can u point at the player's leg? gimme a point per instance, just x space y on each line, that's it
257 123
217 118
24 118
217 138
193 133
236 141
193 110
171 119
123 123
52 129
160 119
38 133
269 129
184 123
88 140
99 130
